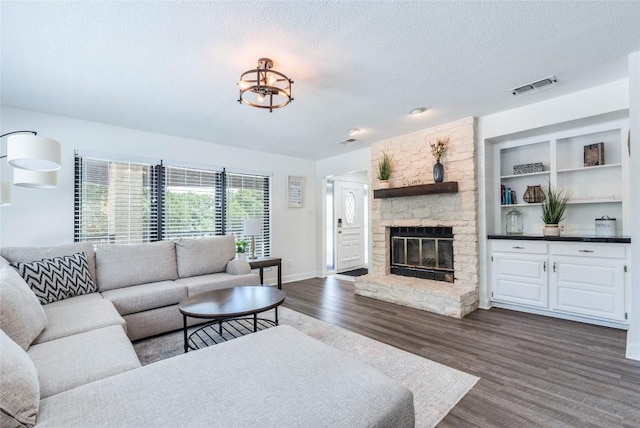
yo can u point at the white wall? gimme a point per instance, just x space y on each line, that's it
45 217
355 161
633 336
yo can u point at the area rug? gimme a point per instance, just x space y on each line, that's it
436 388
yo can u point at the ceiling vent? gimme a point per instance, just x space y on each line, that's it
349 142
530 88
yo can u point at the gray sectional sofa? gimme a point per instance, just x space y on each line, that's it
70 362
143 282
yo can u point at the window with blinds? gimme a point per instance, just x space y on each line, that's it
247 197
129 202
115 202
192 202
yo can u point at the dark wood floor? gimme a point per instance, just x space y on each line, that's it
535 371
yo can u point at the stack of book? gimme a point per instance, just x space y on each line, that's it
507 196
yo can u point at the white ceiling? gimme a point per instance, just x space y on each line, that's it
172 67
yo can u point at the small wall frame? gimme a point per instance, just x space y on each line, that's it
295 192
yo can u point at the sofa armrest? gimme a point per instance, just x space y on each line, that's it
238 267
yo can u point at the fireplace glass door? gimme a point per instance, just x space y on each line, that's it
426 253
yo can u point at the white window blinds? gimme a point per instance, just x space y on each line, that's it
131 202
247 197
192 202
115 202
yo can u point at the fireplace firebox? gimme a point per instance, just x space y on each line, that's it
422 252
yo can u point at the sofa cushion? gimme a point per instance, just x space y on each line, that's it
154 322
77 317
200 284
20 392
205 255
75 360
120 266
57 278
29 254
298 381
21 315
138 298
72 301
3 262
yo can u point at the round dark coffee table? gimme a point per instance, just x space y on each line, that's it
227 309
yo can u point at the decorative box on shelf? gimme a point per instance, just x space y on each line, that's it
594 154
527 168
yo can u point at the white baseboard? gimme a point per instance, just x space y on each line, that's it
633 350
300 276
485 304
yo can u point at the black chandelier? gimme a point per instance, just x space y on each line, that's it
263 87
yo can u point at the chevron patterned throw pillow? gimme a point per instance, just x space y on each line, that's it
57 278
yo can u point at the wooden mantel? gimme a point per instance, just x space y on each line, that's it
421 189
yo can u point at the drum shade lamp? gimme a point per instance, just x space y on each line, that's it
5 193
32 152
35 179
252 228
35 160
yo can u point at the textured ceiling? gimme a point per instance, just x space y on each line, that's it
172 67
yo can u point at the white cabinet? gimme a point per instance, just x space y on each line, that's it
581 281
588 279
591 287
594 191
521 278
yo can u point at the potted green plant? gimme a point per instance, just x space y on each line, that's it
384 170
553 209
241 249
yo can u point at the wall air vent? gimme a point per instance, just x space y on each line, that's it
349 142
530 88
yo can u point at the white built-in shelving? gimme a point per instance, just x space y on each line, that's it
594 191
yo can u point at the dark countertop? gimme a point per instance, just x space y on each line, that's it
566 238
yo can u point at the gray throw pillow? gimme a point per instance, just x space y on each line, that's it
22 317
238 267
20 392
57 278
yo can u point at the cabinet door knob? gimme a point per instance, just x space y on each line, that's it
518 248
554 266
544 266
586 251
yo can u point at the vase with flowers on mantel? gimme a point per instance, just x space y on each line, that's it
437 150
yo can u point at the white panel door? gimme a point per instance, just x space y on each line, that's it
520 278
349 221
593 287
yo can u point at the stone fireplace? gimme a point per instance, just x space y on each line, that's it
404 269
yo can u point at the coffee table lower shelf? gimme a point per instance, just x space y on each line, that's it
221 331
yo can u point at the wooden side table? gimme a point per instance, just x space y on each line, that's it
263 262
